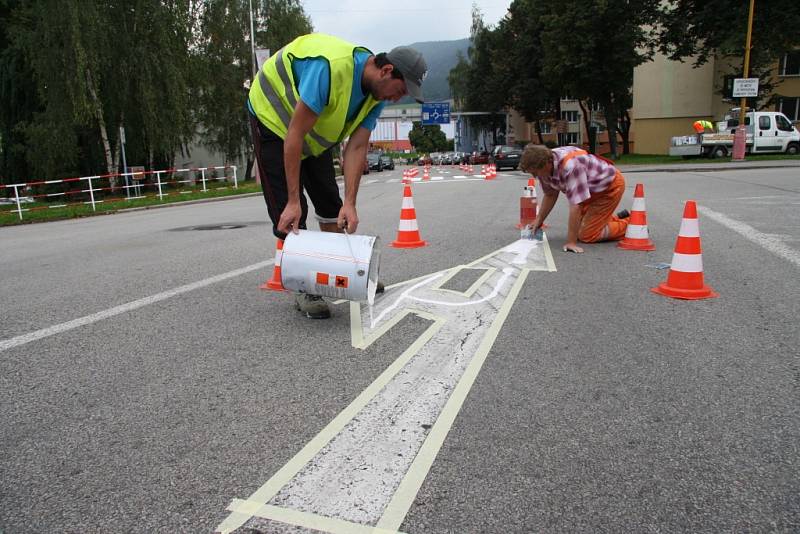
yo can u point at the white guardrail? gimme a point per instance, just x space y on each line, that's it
99 189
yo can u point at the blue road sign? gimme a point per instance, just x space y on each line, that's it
436 113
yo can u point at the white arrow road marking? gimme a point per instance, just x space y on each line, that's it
362 472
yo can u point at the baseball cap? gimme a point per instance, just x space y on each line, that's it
412 66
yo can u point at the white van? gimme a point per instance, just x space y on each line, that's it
767 132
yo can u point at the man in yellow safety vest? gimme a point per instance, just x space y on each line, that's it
306 99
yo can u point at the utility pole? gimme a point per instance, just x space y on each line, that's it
740 137
253 41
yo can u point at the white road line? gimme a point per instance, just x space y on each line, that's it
367 465
767 241
123 308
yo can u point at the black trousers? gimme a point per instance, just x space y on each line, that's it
317 179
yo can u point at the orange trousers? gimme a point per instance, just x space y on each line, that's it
599 222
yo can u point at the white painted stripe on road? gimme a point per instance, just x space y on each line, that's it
371 181
769 242
124 308
437 178
303 519
401 502
392 180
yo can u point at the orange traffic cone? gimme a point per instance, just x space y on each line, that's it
426 175
408 231
527 205
493 171
275 283
685 278
636 235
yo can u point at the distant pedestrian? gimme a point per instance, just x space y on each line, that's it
593 187
308 97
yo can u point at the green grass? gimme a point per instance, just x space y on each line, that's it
40 211
652 159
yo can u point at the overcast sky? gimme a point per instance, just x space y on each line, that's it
380 25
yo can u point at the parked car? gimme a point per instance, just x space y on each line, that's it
425 160
506 156
479 157
388 162
375 163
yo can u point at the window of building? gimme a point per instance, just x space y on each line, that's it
790 64
569 116
545 127
568 138
790 106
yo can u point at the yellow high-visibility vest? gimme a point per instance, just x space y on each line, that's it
273 96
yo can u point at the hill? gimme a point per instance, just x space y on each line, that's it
441 56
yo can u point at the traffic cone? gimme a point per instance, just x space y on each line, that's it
685 278
406 177
275 283
408 231
426 175
636 235
493 171
527 205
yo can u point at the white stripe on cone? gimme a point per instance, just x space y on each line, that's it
636 231
638 204
408 203
408 225
687 263
690 228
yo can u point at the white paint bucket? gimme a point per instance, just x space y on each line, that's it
341 266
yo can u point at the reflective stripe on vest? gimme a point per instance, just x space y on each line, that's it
274 97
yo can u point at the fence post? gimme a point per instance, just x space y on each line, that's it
16 197
235 181
158 180
91 191
203 170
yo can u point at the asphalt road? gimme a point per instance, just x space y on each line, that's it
146 383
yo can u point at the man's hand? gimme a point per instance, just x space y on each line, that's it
290 218
573 247
348 218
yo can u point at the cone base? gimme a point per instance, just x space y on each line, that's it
642 244
408 244
686 294
272 285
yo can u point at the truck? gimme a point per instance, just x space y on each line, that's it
775 133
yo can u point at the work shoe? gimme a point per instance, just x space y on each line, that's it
312 306
623 214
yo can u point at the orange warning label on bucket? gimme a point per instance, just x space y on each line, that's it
341 281
322 278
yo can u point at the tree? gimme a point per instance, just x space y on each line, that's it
531 94
18 100
716 28
224 56
427 138
97 66
611 38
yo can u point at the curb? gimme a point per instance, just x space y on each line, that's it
188 202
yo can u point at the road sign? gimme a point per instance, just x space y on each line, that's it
436 113
745 87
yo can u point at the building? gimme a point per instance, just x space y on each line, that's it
668 96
